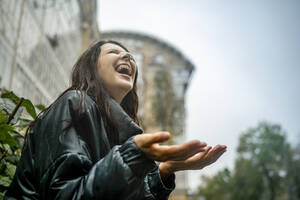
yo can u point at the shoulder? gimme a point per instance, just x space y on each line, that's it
71 104
76 100
76 96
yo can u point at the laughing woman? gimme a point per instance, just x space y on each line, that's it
88 143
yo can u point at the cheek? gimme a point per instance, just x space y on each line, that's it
105 70
107 75
104 64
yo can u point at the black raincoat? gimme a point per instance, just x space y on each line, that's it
78 163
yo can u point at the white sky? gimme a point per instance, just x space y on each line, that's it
247 58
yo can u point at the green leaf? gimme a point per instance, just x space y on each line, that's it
40 107
5 181
12 96
29 108
13 158
3 118
2 195
10 170
26 103
5 136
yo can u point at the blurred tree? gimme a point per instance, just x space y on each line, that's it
217 187
265 147
247 181
292 181
266 167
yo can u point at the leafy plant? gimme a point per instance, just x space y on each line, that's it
15 116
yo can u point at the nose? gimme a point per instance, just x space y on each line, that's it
125 56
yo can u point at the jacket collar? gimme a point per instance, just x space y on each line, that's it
127 127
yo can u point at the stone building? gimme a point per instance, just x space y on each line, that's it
164 75
40 41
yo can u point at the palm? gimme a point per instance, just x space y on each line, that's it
199 160
149 144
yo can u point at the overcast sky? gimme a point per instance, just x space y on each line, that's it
247 59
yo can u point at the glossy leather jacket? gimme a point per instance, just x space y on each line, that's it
78 163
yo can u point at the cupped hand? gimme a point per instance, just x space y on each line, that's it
149 144
195 162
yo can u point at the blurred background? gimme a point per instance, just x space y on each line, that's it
223 72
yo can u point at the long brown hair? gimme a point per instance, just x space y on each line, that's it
85 77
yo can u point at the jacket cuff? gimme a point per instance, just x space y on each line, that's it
160 189
136 159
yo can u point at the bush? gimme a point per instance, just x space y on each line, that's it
16 114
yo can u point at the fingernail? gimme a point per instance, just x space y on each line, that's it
165 136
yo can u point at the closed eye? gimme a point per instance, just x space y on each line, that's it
114 51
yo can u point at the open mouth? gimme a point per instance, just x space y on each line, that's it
124 69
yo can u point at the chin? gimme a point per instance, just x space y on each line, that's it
127 88
126 85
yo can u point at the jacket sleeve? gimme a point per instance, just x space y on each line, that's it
123 173
73 174
155 188
110 178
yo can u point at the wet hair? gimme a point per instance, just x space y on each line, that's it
85 77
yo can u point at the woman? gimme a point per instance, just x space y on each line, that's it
88 145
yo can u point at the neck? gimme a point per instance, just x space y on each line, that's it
118 96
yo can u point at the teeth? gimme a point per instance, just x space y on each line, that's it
125 68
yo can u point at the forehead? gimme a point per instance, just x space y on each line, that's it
109 46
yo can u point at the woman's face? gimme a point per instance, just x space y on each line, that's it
117 69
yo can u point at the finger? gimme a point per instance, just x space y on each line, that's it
187 150
180 152
214 154
211 157
219 147
216 150
200 156
200 160
197 157
149 138
216 157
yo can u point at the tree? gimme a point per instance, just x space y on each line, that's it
217 187
266 148
266 167
292 181
246 181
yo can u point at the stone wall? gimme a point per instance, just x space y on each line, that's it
40 40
